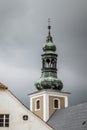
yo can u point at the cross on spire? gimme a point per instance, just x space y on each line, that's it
49 27
48 21
49 38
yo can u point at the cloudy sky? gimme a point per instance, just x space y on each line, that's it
23 31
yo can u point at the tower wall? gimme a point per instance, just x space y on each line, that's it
51 103
47 107
38 112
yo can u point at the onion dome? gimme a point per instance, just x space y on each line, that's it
49 83
49 45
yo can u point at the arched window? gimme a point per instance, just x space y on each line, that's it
47 63
56 103
37 106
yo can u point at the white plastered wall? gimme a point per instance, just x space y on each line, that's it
9 104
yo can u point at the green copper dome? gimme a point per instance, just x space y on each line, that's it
49 83
49 46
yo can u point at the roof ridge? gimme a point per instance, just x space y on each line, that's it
75 105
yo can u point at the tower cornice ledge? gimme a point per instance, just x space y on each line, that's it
49 91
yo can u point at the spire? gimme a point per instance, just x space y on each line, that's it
49 45
49 27
49 38
48 79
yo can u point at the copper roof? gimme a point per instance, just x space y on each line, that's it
2 86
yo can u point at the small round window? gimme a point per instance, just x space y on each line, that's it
25 117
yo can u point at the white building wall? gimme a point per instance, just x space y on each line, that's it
10 105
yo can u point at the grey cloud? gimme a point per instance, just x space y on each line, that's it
23 31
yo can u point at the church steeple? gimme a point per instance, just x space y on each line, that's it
49 96
49 78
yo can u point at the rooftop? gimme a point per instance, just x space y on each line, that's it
71 118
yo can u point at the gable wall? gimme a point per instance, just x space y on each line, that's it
10 105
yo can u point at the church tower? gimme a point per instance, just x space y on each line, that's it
49 96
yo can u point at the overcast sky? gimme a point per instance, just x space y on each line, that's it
23 31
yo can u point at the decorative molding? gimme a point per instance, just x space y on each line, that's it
48 92
31 105
46 107
66 102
